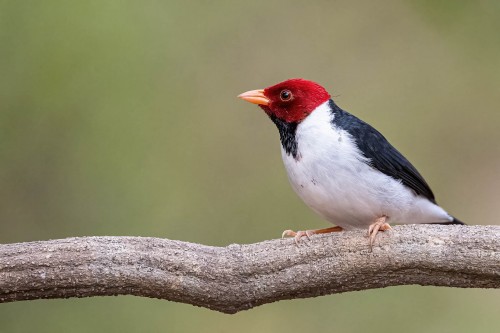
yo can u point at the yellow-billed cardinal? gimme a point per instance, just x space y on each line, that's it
341 167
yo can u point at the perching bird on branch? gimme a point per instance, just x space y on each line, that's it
341 167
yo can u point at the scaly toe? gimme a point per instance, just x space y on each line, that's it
296 235
299 235
288 233
375 227
375 230
385 227
370 229
309 233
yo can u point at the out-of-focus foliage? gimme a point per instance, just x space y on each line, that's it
121 118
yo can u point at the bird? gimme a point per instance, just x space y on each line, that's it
341 167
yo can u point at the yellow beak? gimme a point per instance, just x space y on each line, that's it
255 97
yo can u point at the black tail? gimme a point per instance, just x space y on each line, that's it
455 221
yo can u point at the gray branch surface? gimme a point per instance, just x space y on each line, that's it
239 277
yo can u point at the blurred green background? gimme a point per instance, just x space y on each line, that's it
121 118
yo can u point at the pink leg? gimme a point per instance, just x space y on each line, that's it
308 233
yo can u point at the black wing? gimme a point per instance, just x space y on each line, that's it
383 156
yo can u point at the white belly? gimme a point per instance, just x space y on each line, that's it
331 176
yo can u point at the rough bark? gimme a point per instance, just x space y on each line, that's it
238 277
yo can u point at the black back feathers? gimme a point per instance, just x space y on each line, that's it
382 155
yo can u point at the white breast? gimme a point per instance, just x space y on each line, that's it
333 178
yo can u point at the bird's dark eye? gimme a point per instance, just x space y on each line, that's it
285 95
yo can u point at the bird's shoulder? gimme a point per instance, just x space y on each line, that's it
380 153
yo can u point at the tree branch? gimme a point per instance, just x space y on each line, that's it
238 277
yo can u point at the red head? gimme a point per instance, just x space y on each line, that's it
291 100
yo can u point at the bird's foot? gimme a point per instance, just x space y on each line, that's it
375 227
308 233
